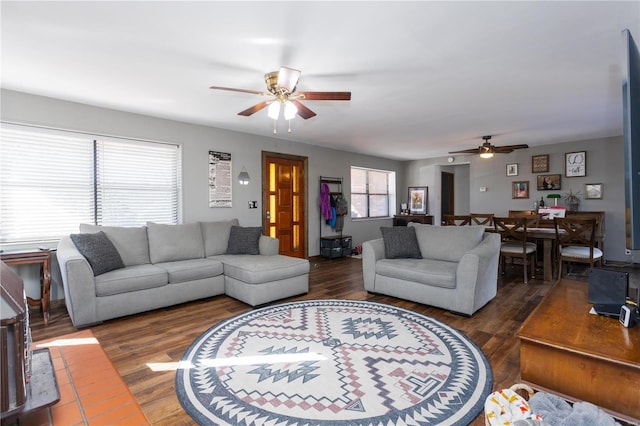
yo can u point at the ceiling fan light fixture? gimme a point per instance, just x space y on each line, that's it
274 110
290 110
288 79
486 155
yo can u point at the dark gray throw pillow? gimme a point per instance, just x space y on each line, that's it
400 242
244 240
99 251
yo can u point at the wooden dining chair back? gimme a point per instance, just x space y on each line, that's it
513 233
576 242
456 220
532 216
485 219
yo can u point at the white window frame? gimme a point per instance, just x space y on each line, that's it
391 193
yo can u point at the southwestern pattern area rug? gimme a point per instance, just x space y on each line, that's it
333 362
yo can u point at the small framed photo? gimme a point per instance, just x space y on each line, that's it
575 164
512 169
418 197
593 191
540 163
548 182
520 189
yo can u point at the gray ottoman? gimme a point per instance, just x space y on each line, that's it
257 280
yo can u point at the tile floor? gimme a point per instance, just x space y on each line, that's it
91 391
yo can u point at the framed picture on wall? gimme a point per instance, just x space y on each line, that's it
575 164
593 191
418 196
548 182
520 189
540 163
512 169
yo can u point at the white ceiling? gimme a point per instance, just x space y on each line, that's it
426 77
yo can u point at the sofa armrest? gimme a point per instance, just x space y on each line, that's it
268 246
78 283
372 251
477 271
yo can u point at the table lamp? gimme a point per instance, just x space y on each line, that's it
555 198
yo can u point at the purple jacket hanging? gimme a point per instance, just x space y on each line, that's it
325 202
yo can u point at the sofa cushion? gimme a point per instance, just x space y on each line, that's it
131 242
174 242
448 243
262 269
216 236
191 269
244 240
99 251
132 278
431 272
400 242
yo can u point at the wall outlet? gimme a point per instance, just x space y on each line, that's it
253 204
627 252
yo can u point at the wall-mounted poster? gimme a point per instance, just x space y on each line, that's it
220 181
418 198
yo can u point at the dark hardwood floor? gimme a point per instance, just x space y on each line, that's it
163 335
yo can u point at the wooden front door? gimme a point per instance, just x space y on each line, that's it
284 200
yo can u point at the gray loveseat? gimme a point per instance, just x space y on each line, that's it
169 264
458 268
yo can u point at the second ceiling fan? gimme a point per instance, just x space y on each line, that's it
281 89
486 150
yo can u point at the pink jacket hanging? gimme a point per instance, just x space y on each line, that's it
325 202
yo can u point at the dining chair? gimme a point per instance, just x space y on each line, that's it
485 219
456 220
576 242
513 233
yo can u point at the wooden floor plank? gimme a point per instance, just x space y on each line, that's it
163 335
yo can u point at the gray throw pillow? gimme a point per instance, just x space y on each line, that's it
99 251
400 242
244 240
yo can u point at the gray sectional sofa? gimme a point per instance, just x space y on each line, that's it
450 267
163 265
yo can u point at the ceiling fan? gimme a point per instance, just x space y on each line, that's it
281 89
486 150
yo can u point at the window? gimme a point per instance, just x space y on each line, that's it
51 181
372 193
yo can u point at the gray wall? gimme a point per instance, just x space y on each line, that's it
604 165
196 141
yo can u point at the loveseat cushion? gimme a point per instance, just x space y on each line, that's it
174 242
131 242
260 269
447 243
191 269
99 252
216 236
132 278
244 240
400 242
431 272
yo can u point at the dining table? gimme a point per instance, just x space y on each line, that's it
548 237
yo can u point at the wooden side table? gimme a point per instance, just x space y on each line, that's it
34 257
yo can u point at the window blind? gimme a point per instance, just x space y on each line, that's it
46 184
51 181
136 182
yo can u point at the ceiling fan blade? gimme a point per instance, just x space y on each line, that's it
231 89
257 107
288 79
303 111
325 96
466 151
512 147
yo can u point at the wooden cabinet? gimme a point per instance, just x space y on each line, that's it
404 219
